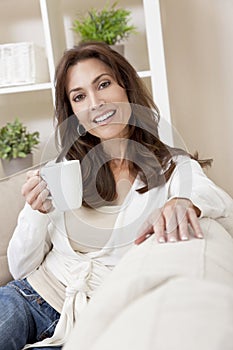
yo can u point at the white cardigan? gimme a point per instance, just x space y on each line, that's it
36 233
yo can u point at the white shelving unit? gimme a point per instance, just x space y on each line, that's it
47 23
157 66
25 88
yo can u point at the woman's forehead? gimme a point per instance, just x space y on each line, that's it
87 71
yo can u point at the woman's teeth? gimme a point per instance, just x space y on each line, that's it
104 117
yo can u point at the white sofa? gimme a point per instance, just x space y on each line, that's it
166 297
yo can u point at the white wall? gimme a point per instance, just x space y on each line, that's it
198 37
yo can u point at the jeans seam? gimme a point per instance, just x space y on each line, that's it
48 331
30 297
35 297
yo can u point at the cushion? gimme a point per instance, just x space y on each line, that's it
164 296
11 202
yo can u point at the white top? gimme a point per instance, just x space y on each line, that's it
43 239
89 229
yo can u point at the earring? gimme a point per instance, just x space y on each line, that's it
81 130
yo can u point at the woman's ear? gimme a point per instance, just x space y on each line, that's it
81 130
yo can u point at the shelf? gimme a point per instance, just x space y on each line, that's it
144 74
25 88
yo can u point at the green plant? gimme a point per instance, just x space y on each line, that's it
15 141
109 25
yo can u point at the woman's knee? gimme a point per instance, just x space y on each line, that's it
14 319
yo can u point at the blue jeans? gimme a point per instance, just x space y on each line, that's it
24 316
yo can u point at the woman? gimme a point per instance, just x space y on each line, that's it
133 186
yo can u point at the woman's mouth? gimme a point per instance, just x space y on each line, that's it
104 118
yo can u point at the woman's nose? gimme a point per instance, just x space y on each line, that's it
96 102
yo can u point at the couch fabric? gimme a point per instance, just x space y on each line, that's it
166 297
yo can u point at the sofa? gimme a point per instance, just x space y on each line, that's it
167 297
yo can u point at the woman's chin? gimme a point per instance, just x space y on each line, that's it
110 131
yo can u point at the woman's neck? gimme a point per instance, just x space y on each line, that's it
115 148
121 167
124 178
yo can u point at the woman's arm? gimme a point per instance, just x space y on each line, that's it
191 194
30 241
190 182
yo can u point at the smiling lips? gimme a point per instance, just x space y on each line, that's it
102 119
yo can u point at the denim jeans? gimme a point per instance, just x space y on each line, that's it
25 317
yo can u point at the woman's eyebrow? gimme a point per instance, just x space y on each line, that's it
99 76
93 82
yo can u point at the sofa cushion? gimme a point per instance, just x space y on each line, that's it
11 202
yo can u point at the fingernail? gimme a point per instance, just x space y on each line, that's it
184 238
172 239
161 239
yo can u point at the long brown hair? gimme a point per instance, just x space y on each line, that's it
148 156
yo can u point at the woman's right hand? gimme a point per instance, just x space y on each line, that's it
36 193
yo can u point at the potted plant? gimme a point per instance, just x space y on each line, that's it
109 25
16 145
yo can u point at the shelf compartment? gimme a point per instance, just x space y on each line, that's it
144 74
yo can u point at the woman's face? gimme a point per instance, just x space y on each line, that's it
100 103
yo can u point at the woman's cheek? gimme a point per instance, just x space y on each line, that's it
83 117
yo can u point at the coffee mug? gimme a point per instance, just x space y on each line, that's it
64 182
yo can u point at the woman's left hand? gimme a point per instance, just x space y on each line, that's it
170 223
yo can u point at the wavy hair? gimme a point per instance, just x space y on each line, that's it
148 156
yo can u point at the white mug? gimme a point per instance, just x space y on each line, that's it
64 181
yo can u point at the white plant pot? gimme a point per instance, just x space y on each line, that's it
15 165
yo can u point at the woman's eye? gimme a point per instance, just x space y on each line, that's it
104 84
78 97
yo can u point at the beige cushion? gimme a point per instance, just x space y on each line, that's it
164 296
11 202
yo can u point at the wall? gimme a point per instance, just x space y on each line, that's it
198 37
